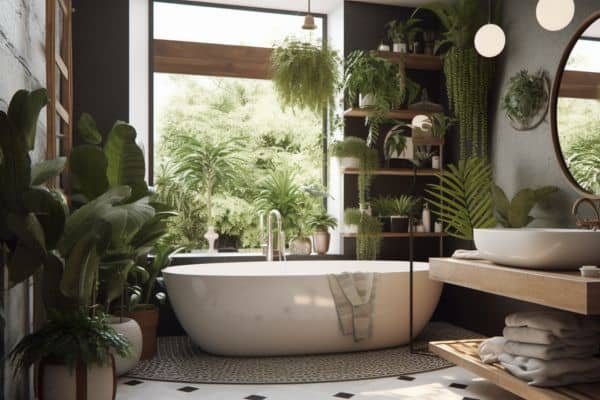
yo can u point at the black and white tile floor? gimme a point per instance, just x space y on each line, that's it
446 384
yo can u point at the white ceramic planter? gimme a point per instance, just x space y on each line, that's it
399 48
435 162
383 47
57 382
366 101
132 331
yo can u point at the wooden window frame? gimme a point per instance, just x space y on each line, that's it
59 62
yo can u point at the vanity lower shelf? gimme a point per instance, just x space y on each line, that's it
464 354
564 290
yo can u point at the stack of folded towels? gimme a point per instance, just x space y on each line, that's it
550 348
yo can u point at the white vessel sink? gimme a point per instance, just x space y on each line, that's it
539 248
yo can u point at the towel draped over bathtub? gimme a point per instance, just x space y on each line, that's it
353 294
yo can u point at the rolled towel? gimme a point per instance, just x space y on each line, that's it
490 349
552 373
467 255
550 352
525 334
560 323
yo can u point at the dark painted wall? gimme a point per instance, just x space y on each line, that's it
101 60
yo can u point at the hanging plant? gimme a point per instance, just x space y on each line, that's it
385 82
526 99
306 76
468 75
368 237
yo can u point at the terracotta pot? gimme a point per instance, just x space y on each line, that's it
321 241
129 328
92 382
300 246
148 321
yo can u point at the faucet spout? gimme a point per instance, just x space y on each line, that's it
280 236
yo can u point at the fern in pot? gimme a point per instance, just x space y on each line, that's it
403 208
402 33
320 224
383 208
305 76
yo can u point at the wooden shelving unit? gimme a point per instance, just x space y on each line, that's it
394 114
421 62
404 235
464 354
396 172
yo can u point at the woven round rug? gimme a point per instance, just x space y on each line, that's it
178 360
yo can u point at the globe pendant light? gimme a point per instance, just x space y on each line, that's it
309 20
554 15
490 38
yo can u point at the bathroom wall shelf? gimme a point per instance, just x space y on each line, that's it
404 234
421 62
464 354
565 290
396 172
394 114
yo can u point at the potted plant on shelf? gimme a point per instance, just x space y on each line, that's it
368 236
440 124
321 223
402 33
305 76
384 208
403 208
395 143
422 157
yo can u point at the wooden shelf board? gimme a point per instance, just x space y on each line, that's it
565 290
464 354
431 141
394 114
423 62
396 172
404 234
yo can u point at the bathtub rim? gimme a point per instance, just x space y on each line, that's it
243 270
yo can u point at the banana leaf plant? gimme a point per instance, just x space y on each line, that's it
31 215
515 213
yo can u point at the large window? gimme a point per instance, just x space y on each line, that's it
219 135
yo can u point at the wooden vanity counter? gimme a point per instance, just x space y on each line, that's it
564 290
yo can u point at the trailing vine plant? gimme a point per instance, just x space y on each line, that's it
368 238
305 75
468 75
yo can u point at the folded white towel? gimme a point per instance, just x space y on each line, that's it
353 295
552 373
490 349
550 352
560 323
525 334
467 255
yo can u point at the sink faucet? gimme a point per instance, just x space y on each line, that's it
587 223
280 236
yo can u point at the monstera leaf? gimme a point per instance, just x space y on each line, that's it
126 165
463 200
515 213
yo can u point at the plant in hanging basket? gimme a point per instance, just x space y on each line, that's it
525 101
305 75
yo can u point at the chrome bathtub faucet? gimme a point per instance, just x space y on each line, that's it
280 236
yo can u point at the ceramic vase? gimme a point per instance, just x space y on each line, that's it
211 237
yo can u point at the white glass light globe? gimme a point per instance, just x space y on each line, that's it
554 15
490 40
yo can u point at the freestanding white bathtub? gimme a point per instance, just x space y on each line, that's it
261 308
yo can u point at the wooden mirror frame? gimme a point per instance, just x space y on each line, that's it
554 105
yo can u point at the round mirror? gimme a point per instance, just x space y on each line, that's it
576 109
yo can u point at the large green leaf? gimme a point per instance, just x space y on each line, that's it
114 278
30 251
127 219
50 210
24 110
16 165
88 165
126 165
87 129
80 271
87 217
23 263
52 275
45 170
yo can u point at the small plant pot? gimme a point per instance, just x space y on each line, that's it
399 48
435 162
300 246
147 319
399 223
386 223
55 381
132 331
321 240
366 101
349 162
